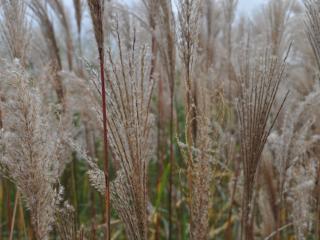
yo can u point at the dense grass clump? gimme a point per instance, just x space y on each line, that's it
159 119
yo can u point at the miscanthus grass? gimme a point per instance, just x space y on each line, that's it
129 107
32 149
259 78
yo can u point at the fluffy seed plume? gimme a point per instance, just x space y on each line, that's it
32 150
258 80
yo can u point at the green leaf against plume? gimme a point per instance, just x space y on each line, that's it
162 186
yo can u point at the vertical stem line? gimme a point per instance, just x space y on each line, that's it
105 141
171 160
14 214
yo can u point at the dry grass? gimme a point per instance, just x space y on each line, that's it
180 127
